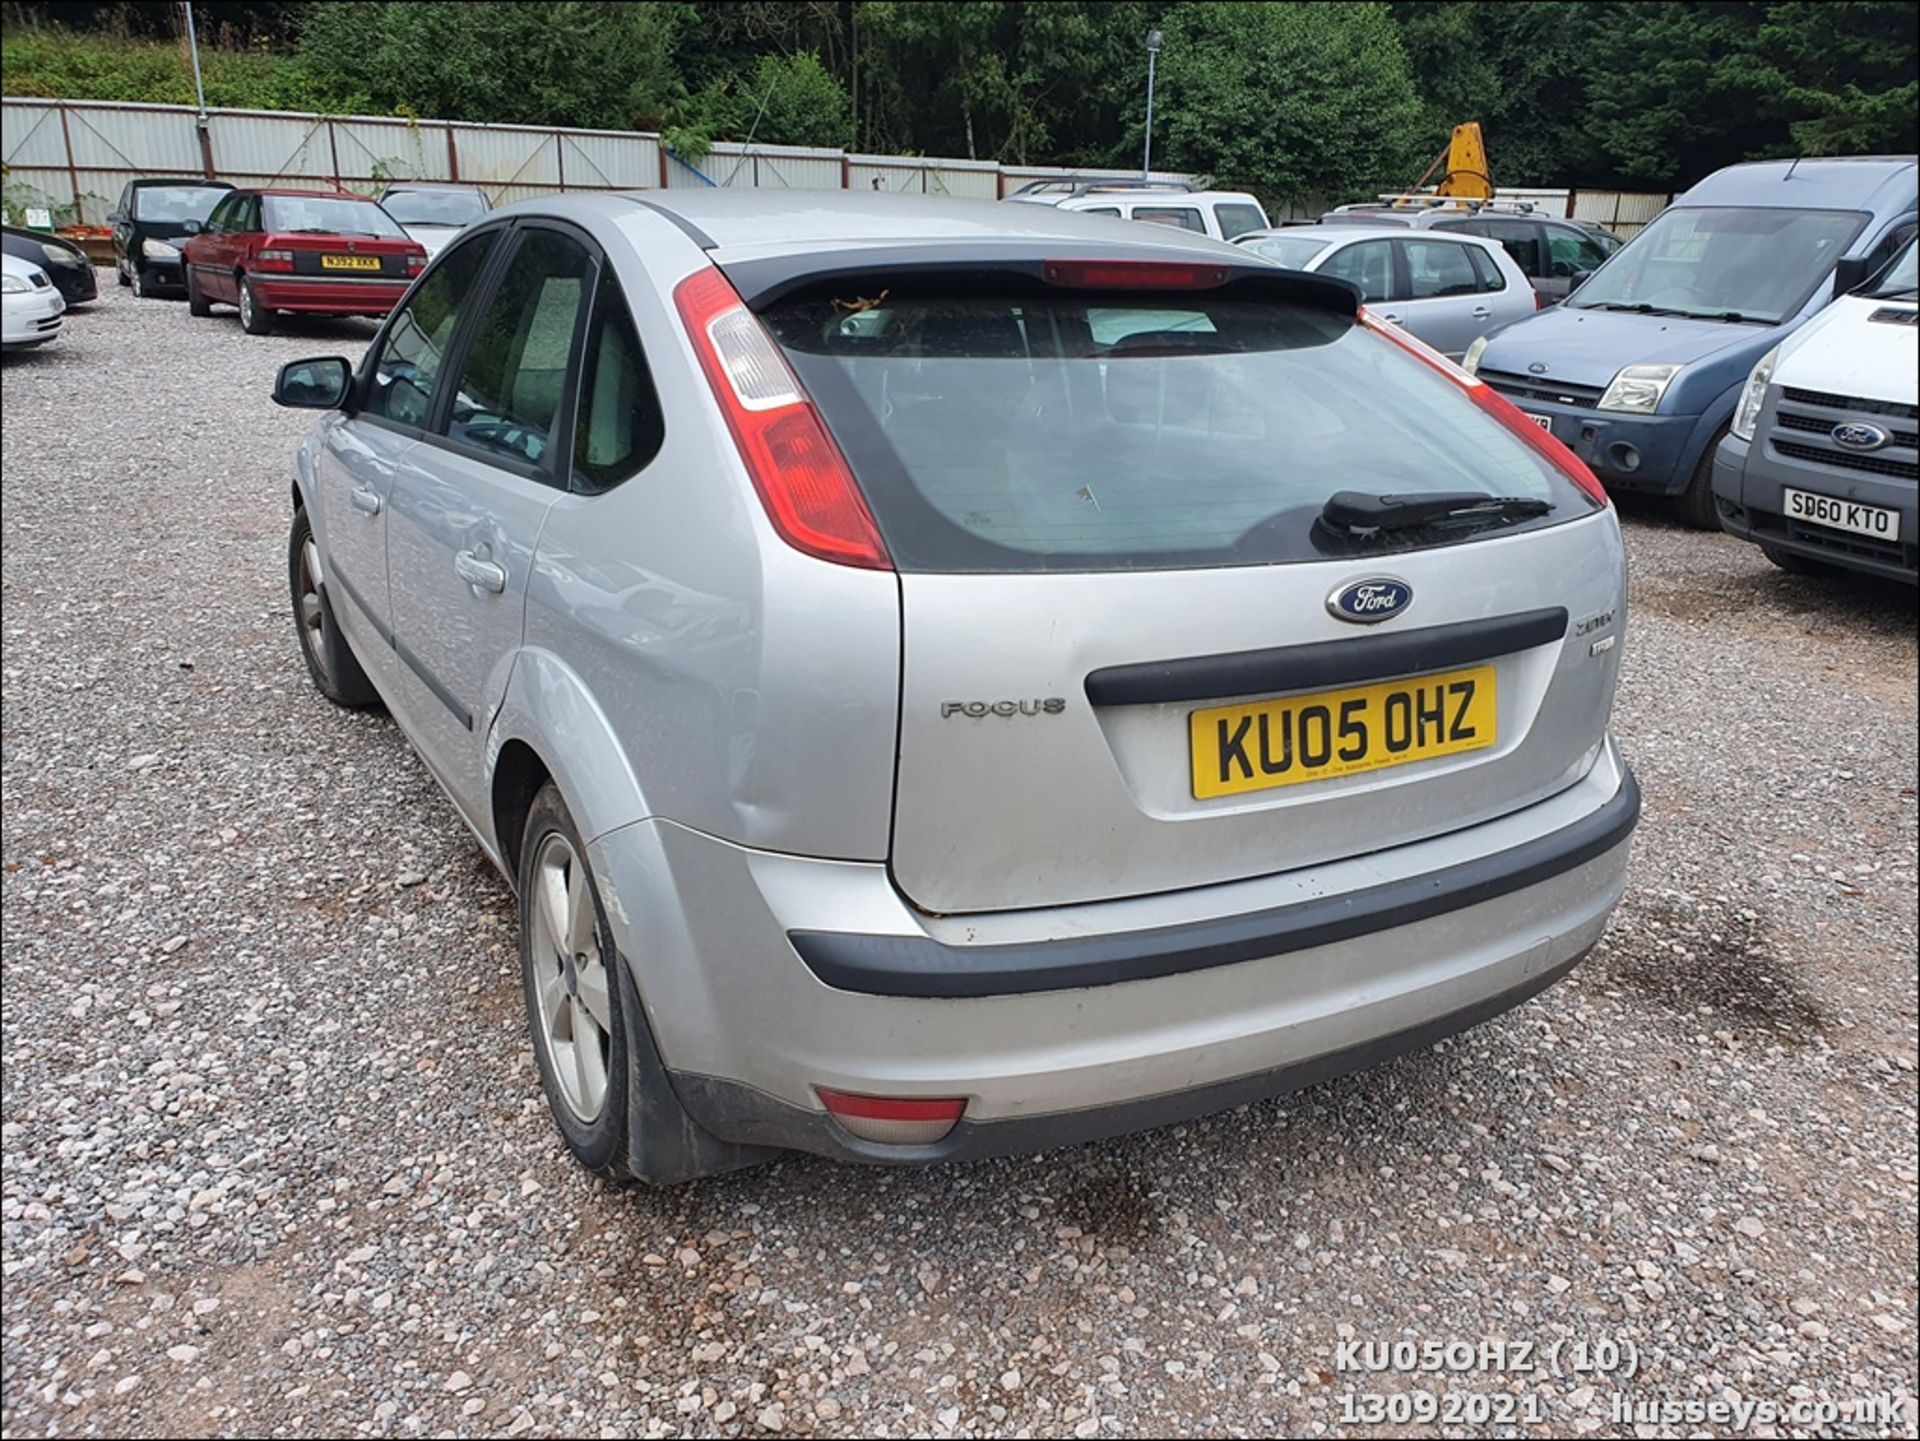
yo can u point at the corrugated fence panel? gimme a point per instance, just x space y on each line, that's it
250 147
597 159
1621 211
30 135
372 152
32 186
150 141
500 155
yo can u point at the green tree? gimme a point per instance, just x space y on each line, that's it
1298 102
782 100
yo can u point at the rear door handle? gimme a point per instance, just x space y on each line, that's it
1390 317
365 501
483 573
1480 312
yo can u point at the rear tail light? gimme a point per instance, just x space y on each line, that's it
802 479
416 264
274 259
1543 442
1134 275
1539 301
893 1122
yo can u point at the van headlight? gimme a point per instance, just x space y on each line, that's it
1746 415
159 250
1470 362
1638 388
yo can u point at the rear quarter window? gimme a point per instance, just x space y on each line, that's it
1090 432
1237 219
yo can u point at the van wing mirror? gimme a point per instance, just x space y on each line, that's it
1850 273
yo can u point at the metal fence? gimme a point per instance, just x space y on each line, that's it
74 157
1625 212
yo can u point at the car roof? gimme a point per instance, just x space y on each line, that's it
184 180
311 194
433 185
1343 231
1858 182
775 222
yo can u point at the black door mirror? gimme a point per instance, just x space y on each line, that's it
1577 279
1850 273
114 217
191 227
320 384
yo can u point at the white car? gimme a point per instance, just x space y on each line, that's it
1221 214
1447 289
433 213
32 307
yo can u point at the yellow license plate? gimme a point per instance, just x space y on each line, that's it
1240 748
349 262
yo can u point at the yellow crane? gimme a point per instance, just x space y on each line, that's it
1466 177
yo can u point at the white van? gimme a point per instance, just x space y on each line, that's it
1222 214
1819 463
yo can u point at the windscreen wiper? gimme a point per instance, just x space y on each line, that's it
1638 308
1353 512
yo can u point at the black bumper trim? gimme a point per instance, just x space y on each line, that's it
746 1115
922 968
1324 663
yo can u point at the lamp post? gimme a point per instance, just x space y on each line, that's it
193 45
1153 55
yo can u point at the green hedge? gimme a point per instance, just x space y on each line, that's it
70 65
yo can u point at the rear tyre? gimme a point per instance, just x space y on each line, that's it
331 663
1798 564
1694 505
255 318
610 1096
197 304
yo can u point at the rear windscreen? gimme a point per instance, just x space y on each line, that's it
1092 432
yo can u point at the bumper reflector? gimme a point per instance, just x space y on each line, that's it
892 1122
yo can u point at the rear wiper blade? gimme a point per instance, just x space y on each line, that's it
1354 512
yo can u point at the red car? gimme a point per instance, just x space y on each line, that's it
318 252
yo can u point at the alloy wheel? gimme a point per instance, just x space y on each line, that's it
572 996
312 612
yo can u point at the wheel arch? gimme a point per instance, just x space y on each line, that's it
550 727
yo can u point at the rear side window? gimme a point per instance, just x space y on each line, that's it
407 373
620 426
1070 432
1238 219
1485 268
1368 265
1438 268
515 371
1519 239
1184 216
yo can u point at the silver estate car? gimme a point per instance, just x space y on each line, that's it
946 678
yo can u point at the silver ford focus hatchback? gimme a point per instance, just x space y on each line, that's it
948 678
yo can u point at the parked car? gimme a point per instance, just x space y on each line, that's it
1549 251
1222 214
150 223
1820 463
821 840
1447 289
1608 240
314 252
1639 370
432 213
66 264
30 304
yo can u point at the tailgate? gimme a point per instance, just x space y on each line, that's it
1007 800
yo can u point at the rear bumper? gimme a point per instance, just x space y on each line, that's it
328 297
1283 990
1748 481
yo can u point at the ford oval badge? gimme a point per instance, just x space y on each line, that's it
1369 601
1858 435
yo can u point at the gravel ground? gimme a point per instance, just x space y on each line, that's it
276 1161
